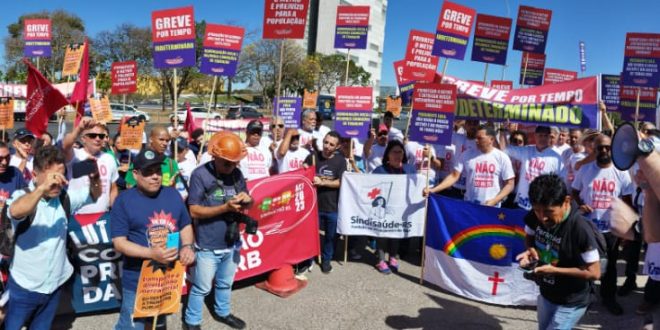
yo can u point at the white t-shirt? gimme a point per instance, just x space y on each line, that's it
292 160
415 152
461 144
562 148
569 159
485 173
15 161
108 174
375 158
597 187
532 164
257 163
306 137
447 154
206 157
186 168
394 134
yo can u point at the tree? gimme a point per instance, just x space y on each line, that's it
67 28
333 73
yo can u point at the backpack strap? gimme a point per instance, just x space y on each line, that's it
66 203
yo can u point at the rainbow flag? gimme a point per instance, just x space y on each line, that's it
471 251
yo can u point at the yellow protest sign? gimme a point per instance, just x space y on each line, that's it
159 289
131 134
72 57
101 109
309 99
6 114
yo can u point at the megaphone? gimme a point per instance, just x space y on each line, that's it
624 146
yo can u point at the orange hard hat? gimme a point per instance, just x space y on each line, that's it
227 145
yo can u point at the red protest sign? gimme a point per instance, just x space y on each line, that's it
505 85
285 19
554 76
420 64
173 24
124 77
531 69
223 36
456 19
285 206
37 29
354 98
435 97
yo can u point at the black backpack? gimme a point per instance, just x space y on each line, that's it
7 235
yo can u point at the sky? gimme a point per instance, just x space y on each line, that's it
601 24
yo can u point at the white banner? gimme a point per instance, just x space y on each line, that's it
499 285
382 205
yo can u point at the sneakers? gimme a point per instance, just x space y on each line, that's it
613 307
187 326
231 321
383 268
305 266
326 268
394 264
353 255
627 288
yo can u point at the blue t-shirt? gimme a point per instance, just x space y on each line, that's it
146 221
10 181
207 190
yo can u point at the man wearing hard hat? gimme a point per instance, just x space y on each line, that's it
217 193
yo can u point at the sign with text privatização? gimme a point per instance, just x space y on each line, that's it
641 63
37 34
491 39
222 47
420 64
433 114
453 30
353 106
173 37
532 29
352 27
124 77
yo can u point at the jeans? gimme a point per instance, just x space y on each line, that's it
126 320
23 304
552 316
209 264
328 223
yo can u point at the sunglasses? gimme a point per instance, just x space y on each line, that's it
149 171
278 125
96 135
517 141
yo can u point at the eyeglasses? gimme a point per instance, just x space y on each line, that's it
278 125
96 135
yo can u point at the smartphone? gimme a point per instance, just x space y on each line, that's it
172 241
375 122
86 167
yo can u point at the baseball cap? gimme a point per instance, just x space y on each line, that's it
542 129
147 158
181 143
383 128
21 133
255 126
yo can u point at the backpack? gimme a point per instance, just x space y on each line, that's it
7 235
601 244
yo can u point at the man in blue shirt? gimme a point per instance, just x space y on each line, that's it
142 218
217 194
40 265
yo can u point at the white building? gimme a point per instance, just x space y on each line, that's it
320 35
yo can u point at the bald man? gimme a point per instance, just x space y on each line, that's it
159 139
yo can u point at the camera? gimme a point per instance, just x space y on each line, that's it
233 233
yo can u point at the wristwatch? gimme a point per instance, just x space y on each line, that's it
191 246
645 147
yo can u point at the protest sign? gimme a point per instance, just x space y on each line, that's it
6 114
310 98
453 30
222 48
131 134
609 94
236 126
433 114
641 63
354 106
352 27
72 57
381 205
420 65
531 69
393 105
285 19
572 103
19 91
159 289
96 264
173 38
124 77
583 57
471 251
100 109
553 76
285 205
37 34
491 39
532 29
505 85
406 86
647 103
290 109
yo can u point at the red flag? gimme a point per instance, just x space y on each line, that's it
43 100
189 125
79 95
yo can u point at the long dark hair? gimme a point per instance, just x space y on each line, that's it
391 144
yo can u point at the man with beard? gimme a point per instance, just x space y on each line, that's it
594 187
159 139
562 254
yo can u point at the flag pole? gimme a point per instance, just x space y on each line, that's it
426 211
639 92
38 64
486 74
525 70
276 111
409 118
176 116
444 67
206 121
348 61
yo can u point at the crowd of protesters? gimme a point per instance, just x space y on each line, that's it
566 180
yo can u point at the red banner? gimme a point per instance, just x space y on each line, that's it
420 64
124 77
285 19
554 76
37 29
286 209
506 85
